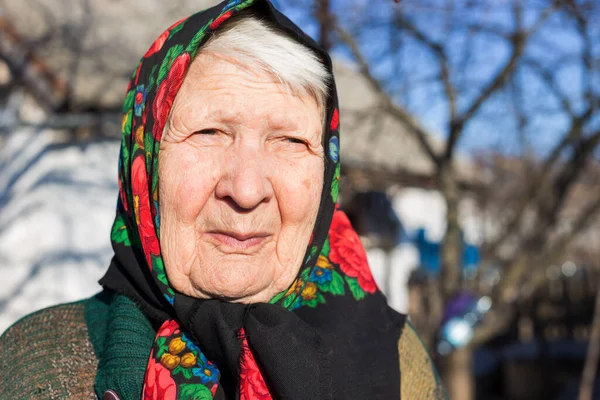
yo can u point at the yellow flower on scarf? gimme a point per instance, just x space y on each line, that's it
170 361
310 291
188 360
176 346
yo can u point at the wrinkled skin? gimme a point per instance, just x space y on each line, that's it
240 178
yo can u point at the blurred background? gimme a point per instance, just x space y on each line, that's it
470 167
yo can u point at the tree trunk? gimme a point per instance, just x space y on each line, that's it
593 354
458 365
323 14
388 273
458 374
452 244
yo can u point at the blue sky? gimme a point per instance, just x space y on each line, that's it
495 126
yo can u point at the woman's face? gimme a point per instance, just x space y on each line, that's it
240 179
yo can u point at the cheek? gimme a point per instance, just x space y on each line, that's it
186 183
299 189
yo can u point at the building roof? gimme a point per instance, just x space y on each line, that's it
93 45
373 139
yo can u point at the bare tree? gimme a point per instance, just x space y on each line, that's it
591 364
477 68
432 46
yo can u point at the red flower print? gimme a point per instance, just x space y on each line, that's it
137 74
348 252
158 44
123 195
166 93
139 96
176 23
141 207
252 384
158 383
220 20
168 328
335 120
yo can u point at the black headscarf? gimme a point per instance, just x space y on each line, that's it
331 335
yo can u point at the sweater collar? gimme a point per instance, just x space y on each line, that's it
122 337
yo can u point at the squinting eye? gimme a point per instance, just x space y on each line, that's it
295 140
207 132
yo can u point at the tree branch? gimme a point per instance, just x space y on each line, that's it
568 176
561 244
549 207
442 60
395 111
534 192
586 387
63 121
548 78
519 40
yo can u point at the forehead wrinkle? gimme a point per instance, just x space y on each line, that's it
195 111
228 115
236 113
285 123
207 99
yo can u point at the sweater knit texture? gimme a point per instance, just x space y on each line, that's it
79 350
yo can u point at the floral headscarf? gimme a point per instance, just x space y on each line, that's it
330 335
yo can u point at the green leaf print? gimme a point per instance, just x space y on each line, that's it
194 391
305 274
124 155
355 288
126 127
186 372
172 54
152 78
128 104
194 44
277 297
335 286
119 231
157 264
161 342
335 184
287 302
326 248
176 29
318 299
162 277
337 283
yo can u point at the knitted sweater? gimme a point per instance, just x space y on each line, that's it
79 350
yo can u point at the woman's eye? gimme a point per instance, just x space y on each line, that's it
295 140
207 132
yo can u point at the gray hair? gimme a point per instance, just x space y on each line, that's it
255 44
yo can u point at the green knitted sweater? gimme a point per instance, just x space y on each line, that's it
79 350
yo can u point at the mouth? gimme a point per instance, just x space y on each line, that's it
238 240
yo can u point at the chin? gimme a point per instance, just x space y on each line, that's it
237 283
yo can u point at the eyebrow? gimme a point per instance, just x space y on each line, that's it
285 122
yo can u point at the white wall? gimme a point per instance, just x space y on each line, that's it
55 220
418 208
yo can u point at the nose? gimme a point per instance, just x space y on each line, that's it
245 182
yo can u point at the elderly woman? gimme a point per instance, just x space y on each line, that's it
234 275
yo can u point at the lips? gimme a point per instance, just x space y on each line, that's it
238 240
